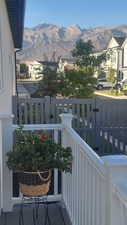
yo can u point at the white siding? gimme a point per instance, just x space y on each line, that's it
112 43
125 56
7 89
7 62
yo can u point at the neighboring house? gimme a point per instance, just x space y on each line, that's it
66 63
49 64
34 69
11 34
116 57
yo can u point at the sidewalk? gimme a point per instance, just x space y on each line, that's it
109 96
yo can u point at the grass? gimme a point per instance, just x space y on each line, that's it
112 92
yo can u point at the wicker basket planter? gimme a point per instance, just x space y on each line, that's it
39 154
34 183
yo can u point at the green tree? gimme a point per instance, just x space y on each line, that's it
23 68
51 83
111 76
79 82
84 54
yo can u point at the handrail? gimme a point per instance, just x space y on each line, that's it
121 192
39 126
87 150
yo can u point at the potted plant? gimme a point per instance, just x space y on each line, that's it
34 157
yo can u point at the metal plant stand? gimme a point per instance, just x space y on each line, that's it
36 203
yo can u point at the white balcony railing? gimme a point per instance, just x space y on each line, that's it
96 191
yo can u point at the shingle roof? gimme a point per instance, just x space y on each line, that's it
16 10
120 40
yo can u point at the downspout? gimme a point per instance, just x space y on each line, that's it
18 50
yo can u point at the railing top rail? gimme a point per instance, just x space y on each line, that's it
6 116
74 101
99 163
121 192
34 100
40 127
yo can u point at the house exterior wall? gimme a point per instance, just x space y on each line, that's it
7 62
116 58
112 43
125 56
7 90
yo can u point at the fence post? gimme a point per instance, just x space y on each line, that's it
66 119
66 122
47 109
56 170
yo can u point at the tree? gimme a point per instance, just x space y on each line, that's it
111 76
79 82
51 83
23 68
84 54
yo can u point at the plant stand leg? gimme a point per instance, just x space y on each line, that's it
61 213
21 217
36 211
47 218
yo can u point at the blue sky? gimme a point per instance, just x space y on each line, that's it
85 13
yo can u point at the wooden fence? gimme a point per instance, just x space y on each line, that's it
47 110
102 123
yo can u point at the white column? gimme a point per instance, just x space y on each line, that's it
5 173
66 119
1 144
116 175
56 170
67 123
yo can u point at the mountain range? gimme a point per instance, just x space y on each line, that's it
48 41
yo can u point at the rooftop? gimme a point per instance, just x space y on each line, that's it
16 10
120 40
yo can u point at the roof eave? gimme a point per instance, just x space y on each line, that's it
16 13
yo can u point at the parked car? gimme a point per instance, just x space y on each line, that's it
103 84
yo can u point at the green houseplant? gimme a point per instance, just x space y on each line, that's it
33 158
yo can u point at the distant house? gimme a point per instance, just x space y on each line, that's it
66 63
35 69
117 57
49 64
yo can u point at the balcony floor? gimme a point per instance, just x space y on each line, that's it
57 215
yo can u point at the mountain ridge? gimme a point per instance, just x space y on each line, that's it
49 41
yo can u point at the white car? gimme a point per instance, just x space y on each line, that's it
103 83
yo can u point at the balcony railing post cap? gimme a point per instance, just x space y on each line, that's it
66 116
115 160
66 119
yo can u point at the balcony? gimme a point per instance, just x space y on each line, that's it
94 194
